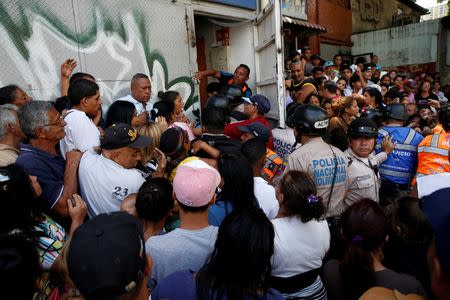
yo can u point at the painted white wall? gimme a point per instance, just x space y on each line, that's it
243 51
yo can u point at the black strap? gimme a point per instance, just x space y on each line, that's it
288 285
334 179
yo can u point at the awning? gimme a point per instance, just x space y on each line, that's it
304 24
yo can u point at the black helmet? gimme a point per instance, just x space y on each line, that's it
362 127
290 110
218 101
233 93
310 120
444 117
373 114
396 111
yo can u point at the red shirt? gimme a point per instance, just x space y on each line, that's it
233 132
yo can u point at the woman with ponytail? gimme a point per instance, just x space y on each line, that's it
364 229
345 111
178 106
302 239
171 108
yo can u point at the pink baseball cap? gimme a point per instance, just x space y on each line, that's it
195 187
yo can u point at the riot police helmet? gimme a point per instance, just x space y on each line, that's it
233 93
396 111
218 101
362 127
310 120
374 114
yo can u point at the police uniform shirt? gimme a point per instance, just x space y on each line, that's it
316 158
400 166
283 141
363 178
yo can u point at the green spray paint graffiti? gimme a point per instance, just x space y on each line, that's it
108 42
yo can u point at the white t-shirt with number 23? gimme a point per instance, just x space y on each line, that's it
104 183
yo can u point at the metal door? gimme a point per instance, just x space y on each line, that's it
269 59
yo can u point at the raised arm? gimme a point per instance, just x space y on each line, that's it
66 70
202 74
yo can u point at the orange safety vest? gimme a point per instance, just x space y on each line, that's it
433 155
272 164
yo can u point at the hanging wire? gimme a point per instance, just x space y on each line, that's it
230 24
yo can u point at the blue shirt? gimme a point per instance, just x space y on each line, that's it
48 168
227 79
182 285
218 211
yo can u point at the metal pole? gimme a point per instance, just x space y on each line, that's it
280 62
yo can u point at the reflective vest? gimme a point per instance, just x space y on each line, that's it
272 164
433 155
400 166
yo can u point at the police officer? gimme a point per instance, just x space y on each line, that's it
234 95
433 150
363 175
214 117
399 168
324 163
375 115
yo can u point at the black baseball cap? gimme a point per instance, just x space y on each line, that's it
106 256
120 135
257 129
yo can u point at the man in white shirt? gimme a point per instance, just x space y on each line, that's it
255 151
141 90
108 178
81 132
367 76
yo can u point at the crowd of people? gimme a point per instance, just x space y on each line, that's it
349 201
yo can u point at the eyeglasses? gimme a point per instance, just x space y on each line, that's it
59 122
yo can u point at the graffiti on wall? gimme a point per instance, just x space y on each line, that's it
37 38
368 10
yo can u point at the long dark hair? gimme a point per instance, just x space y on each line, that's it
169 96
364 230
18 200
300 196
8 94
237 175
409 223
240 264
120 112
373 92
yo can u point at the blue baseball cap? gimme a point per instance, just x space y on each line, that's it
260 101
258 130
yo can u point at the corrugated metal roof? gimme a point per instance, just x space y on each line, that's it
304 24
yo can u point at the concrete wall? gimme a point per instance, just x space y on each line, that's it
370 15
403 45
